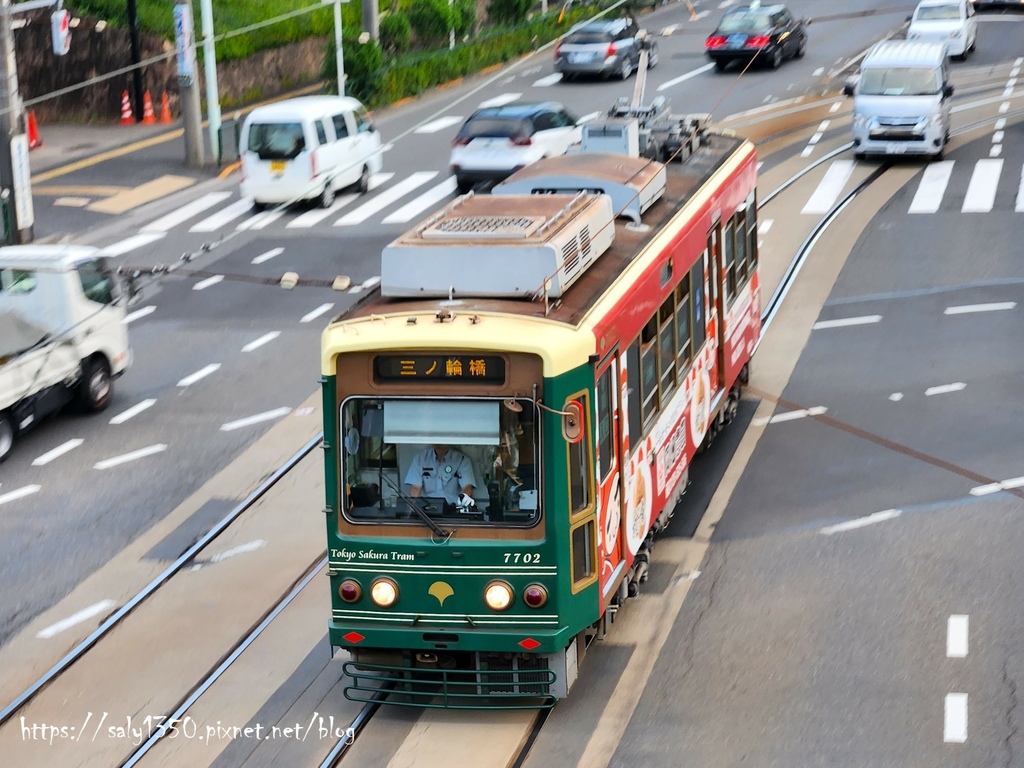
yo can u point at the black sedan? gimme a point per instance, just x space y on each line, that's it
770 33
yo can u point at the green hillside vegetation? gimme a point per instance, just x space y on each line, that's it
156 16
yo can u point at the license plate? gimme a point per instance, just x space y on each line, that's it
737 41
580 58
278 166
895 148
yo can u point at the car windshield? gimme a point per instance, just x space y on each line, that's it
900 81
938 12
433 454
495 127
585 37
745 23
276 141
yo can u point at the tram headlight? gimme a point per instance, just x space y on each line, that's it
535 595
498 595
384 592
350 591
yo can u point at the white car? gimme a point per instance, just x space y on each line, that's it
945 21
495 142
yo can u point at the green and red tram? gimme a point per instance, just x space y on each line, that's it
510 417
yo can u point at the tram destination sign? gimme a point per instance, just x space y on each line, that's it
464 369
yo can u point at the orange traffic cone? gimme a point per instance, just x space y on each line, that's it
148 118
127 118
165 109
33 132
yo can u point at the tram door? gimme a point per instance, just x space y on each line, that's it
610 475
716 307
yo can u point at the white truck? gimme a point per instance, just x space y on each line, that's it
62 334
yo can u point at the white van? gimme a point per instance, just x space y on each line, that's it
306 149
945 21
901 100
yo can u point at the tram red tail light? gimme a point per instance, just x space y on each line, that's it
350 591
535 595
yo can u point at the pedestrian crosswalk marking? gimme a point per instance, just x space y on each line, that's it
186 212
261 220
500 101
981 192
404 187
432 196
316 215
932 187
548 80
438 125
831 185
1019 206
224 216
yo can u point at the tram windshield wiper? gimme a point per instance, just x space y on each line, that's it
415 506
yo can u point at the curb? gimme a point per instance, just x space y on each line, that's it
229 169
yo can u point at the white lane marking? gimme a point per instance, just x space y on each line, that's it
264 339
667 31
956 637
419 204
138 314
954 729
258 418
791 415
831 185
439 124
316 215
818 73
997 137
588 117
766 224
860 522
261 220
835 107
57 452
1019 205
241 549
968 308
1004 108
896 396
1005 485
865 320
384 199
76 618
981 192
701 15
726 3
202 373
816 138
499 101
544 82
131 243
311 316
268 255
932 187
124 458
204 284
944 389
224 216
807 151
684 78
135 410
366 285
186 212
21 493
995 151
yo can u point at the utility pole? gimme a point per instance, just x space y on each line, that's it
136 48
191 113
15 174
339 55
210 63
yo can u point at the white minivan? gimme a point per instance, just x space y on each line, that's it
945 21
901 100
307 149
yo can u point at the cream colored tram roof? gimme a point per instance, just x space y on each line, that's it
564 338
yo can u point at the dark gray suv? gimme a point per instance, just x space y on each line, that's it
605 49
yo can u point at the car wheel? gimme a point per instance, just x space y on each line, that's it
859 156
259 206
96 385
567 77
776 59
626 70
801 49
363 185
720 65
327 196
463 185
6 436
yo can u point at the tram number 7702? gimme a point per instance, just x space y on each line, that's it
522 557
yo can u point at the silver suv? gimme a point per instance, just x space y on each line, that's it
605 49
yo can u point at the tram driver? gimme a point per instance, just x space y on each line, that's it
440 471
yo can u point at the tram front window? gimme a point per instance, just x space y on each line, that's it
462 462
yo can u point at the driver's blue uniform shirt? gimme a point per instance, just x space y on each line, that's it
441 477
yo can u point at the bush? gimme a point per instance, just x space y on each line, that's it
395 33
362 62
431 19
465 17
508 12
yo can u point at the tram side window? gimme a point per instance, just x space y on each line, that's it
729 263
752 235
605 427
741 248
583 553
667 347
697 299
649 370
684 351
633 395
580 467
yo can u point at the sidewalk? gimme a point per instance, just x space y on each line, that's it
63 144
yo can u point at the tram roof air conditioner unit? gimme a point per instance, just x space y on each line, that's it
500 247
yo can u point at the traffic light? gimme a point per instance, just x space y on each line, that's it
60 28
